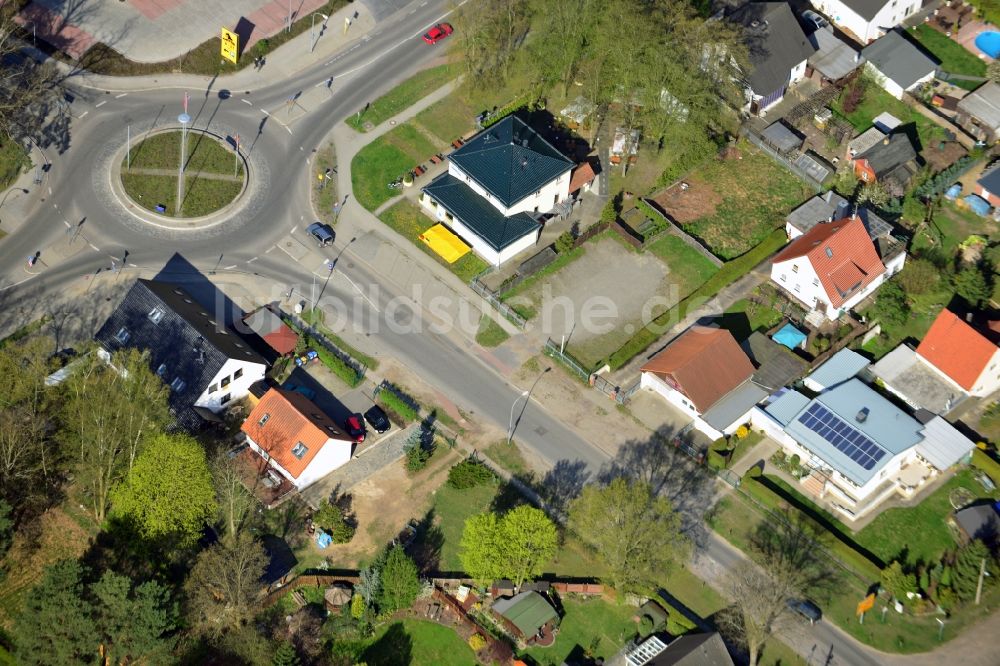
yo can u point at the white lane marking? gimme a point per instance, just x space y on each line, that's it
50 190
250 261
56 206
96 249
246 101
287 128
83 114
229 268
423 4
265 112
120 96
270 249
101 103
68 226
302 150
363 294
133 265
11 286
294 227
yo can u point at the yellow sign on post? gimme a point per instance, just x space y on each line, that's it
866 604
230 45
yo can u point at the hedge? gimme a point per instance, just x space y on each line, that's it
729 273
350 376
398 405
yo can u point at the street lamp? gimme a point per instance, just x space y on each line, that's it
510 425
312 25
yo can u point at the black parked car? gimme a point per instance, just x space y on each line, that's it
806 609
377 419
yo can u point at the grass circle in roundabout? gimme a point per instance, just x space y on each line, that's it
213 177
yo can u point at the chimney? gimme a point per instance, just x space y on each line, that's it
968 318
885 141
862 415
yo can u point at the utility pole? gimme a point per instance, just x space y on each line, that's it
128 149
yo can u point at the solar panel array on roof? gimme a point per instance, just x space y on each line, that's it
846 439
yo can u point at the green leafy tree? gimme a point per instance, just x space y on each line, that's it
169 491
919 276
106 433
891 305
897 582
971 284
133 621
479 547
874 193
565 242
968 562
400 584
55 625
286 655
331 520
516 545
224 584
637 534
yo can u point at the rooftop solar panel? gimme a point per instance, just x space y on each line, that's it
845 438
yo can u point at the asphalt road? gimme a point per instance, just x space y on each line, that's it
77 198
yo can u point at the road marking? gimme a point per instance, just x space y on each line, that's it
120 96
301 150
133 265
68 226
101 103
97 249
229 268
50 190
265 112
363 295
287 128
423 4
270 249
250 261
56 206
246 101
83 114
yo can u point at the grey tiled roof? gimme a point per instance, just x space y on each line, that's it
186 340
775 43
885 157
866 9
510 160
478 214
897 58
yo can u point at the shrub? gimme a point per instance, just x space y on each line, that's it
404 408
417 454
611 209
468 474
358 607
477 642
715 459
820 344
891 304
334 363
565 242
971 284
330 519
742 432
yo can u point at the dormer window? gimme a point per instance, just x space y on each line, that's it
225 381
795 268
122 335
162 370
155 315
238 374
178 384
299 450
264 419
829 253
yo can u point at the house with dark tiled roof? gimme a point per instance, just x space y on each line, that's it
898 65
892 161
497 186
867 20
833 266
777 49
978 113
206 364
962 355
296 438
988 185
688 650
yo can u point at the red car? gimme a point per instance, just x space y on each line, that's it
355 427
437 33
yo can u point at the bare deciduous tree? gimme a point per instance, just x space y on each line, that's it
26 86
235 501
224 585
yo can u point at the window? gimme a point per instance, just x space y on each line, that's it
829 253
263 419
796 288
162 370
299 450
155 315
226 398
782 278
213 388
538 193
238 374
178 384
225 381
795 268
815 282
122 335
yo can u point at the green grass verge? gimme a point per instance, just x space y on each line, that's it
203 59
158 151
324 192
400 407
384 160
729 273
315 317
207 195
418 642
491 334
688 267
403 96
207 154
409 221
601 627
14 159
452 507
508 456
919 533
148 191
776 653
955 58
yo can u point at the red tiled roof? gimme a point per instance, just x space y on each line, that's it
291 418
582 174
841 253
266 323
956 349
706 363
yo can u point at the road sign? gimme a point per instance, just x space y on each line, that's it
866 604
230 45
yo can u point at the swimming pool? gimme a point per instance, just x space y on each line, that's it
989 43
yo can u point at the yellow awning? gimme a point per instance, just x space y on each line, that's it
444 242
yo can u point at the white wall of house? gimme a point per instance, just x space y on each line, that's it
887 84
542 201
237 388
893 12
987 382
798 73
650 381
478 245
799 280
334 454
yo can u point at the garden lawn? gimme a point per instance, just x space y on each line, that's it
451 508
917 533
877 100
688 267
744 317
207 195
418 642
208 155
755 195
148 191
596 624
448 119
490 334
955 58
408 220
385 159
403 96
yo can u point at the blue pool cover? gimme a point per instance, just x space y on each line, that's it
789 336
989 43
979 205
953 192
